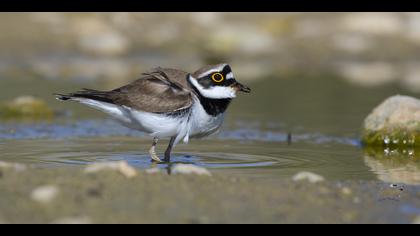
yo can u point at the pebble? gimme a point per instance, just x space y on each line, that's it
189 169
121 166
398 111
45 194
308 176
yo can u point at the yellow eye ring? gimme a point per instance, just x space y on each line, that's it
217 75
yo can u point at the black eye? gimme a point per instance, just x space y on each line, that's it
217 77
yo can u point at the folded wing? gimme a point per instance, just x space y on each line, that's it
160 91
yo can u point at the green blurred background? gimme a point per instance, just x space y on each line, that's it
312 69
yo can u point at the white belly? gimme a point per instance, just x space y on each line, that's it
156 125
195 124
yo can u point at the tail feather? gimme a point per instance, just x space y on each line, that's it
62 97
87 94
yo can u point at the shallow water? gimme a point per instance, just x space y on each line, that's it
244 151
322 114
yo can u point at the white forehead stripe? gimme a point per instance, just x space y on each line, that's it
216 92
217 69
230 76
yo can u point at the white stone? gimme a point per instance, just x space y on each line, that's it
398 110
189 169
121 166
308 176
44 194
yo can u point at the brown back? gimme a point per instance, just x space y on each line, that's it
162 90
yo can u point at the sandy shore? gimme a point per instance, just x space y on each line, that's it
70 195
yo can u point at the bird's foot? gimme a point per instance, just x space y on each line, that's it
154 156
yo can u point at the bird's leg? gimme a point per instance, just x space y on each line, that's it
169 150
152 151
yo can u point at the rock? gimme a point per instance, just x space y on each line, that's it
26 107
189 169
120 166
73 220
45 194
394 123
15 166
308 176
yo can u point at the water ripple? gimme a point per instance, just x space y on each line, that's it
107 128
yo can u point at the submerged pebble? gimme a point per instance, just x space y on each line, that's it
45 194
121 166
308 176
189 169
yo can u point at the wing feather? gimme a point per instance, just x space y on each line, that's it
160 91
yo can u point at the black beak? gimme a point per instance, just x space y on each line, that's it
241 88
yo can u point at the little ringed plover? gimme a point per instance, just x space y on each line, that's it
168 103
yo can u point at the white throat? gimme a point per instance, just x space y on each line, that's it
216 92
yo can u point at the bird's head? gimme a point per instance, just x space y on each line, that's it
216 82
